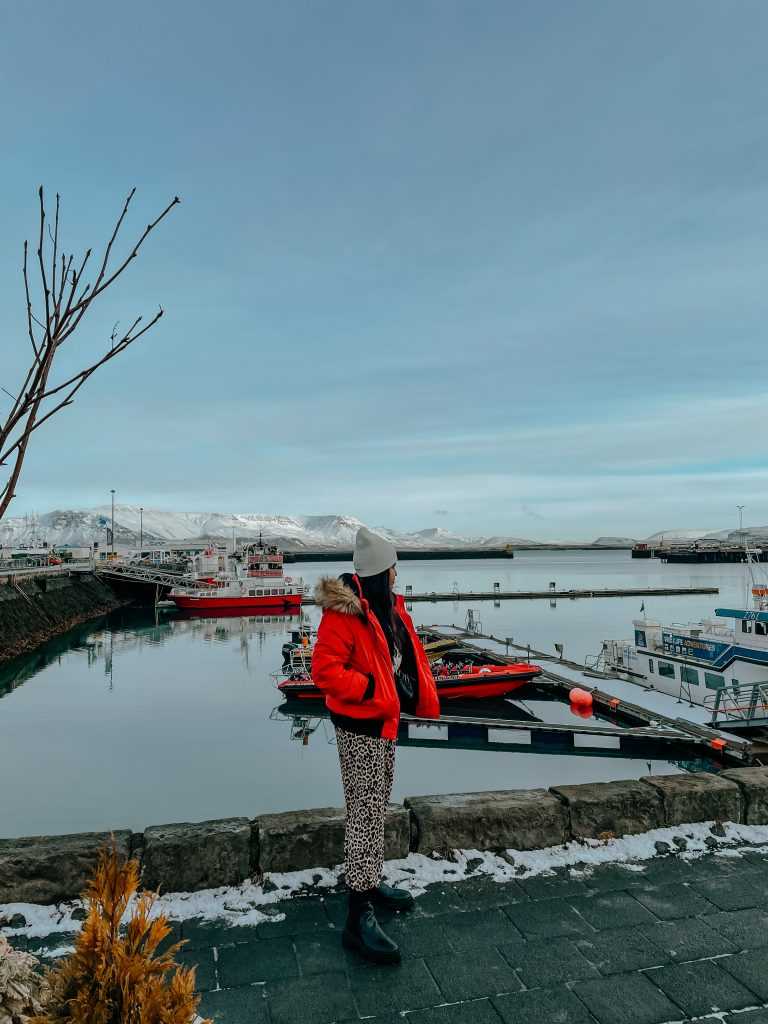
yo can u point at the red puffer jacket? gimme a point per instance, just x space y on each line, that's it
351 646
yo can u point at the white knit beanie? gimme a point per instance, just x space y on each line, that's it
373 554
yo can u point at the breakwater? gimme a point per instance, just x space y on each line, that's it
35 609
188 857
404 554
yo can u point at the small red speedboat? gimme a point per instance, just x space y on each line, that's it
475 682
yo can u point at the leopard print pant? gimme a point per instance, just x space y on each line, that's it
367 770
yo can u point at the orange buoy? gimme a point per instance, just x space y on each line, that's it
717 744
582 710
580 697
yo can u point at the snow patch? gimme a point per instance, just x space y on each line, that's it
250 902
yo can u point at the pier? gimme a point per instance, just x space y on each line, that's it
637 724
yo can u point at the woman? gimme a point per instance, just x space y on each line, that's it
370 663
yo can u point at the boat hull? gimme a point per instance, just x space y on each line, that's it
474 686
244 604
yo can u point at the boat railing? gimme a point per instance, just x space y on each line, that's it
710 628
740 702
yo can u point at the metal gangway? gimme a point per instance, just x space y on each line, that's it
742 706
147 574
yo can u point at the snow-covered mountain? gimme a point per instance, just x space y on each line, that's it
81 527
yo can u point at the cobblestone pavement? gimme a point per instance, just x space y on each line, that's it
673 942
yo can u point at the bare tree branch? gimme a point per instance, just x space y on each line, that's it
63 303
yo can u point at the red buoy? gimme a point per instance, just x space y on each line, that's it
580 697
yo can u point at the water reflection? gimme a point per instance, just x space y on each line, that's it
132 630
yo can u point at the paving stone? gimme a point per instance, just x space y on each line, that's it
688 940
542 963
736 891
542 1006
440 899
249 962
474 929
475 1011
663 871
205 968
612 878
299 915
462 977
746 929
409 986
614 952
551 918
322 951
612 910
702 987
422 936
750 1017
751 969
335 907
316 1000
559 885
670 902
483 893
201 934
235 1006
626 999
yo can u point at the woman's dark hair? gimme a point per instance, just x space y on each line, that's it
378 594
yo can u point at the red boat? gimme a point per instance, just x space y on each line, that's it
474 682
255 582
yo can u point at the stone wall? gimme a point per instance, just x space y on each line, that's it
188 857
37 608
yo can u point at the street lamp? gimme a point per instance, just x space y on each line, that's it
112 492
141 531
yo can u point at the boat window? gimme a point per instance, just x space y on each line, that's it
714 681
650 664
259 593
274 592
746 627
251 593
665 669
760 628
689 675
282 591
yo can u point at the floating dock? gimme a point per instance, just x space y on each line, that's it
540 595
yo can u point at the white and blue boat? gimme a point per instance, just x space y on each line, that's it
719 663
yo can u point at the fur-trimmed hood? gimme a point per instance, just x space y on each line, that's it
338 595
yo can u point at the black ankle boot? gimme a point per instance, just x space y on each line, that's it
363 933
393 899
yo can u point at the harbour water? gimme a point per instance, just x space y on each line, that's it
143 720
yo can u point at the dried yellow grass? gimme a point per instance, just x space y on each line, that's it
120 978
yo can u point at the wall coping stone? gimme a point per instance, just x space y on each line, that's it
186 855
753 783
698 797
625 807
189 856
526 819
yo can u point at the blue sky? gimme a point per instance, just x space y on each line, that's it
497 267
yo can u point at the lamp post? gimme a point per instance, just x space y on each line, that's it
112 492
141 530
